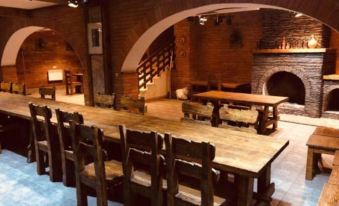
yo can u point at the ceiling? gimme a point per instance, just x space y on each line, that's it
25 4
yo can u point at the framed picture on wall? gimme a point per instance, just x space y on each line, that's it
94 38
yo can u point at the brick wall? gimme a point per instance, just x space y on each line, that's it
210 53
334 43
40 52
278 24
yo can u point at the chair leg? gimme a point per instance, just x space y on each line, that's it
101 196
54 166
40 161
81 194
68 173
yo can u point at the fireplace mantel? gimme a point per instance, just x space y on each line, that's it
292 51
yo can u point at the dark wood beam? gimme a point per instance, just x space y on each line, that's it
12 12
54 1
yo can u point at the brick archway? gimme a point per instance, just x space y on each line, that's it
167 13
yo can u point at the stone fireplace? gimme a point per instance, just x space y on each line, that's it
295 73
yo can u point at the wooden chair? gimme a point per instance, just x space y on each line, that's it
6 86
246 120
104 100
65 141
72 83
141 165
190 159
133 105
18 88
47 91
99 175
196 111
45 141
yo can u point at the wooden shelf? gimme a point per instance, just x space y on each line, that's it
333 77
293 51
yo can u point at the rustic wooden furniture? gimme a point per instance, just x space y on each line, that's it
246 120
194 160
65 140
5 86
74 82
248 99
194 110
47 91
330 192
232 147
104 100
99 175
141 165
324 140
235 87
18 88
133 105
46 142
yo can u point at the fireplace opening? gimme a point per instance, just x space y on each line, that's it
288 85
333 100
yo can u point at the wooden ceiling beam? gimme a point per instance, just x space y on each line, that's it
54 1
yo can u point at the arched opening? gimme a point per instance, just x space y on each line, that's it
39 57
333 100
288 85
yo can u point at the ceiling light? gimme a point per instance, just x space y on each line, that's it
73 3
297 15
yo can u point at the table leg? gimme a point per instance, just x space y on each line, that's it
263 120
30 147
275 117
265 187
215 115
244 190
310 164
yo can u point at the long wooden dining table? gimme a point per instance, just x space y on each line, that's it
265 101
247 156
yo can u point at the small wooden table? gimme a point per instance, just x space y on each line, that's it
246 155
247 99
324 140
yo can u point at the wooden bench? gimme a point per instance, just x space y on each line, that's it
196 111
330 192
323 141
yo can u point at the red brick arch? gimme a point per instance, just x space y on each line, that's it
166 13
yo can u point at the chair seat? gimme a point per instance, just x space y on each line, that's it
113 170
43 145
193 196
144 178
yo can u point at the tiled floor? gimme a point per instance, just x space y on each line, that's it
21 186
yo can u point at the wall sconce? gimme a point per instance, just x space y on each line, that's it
202 20
73 3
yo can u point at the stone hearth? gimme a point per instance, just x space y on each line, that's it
302 78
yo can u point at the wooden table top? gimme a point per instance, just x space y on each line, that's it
231 85
239 152
255 99
199 83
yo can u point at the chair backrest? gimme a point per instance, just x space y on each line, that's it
192 110
141 150
64 132
6 86
18 88
131 104
241 116
87 145
104 100
47 91
42 126
191 159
